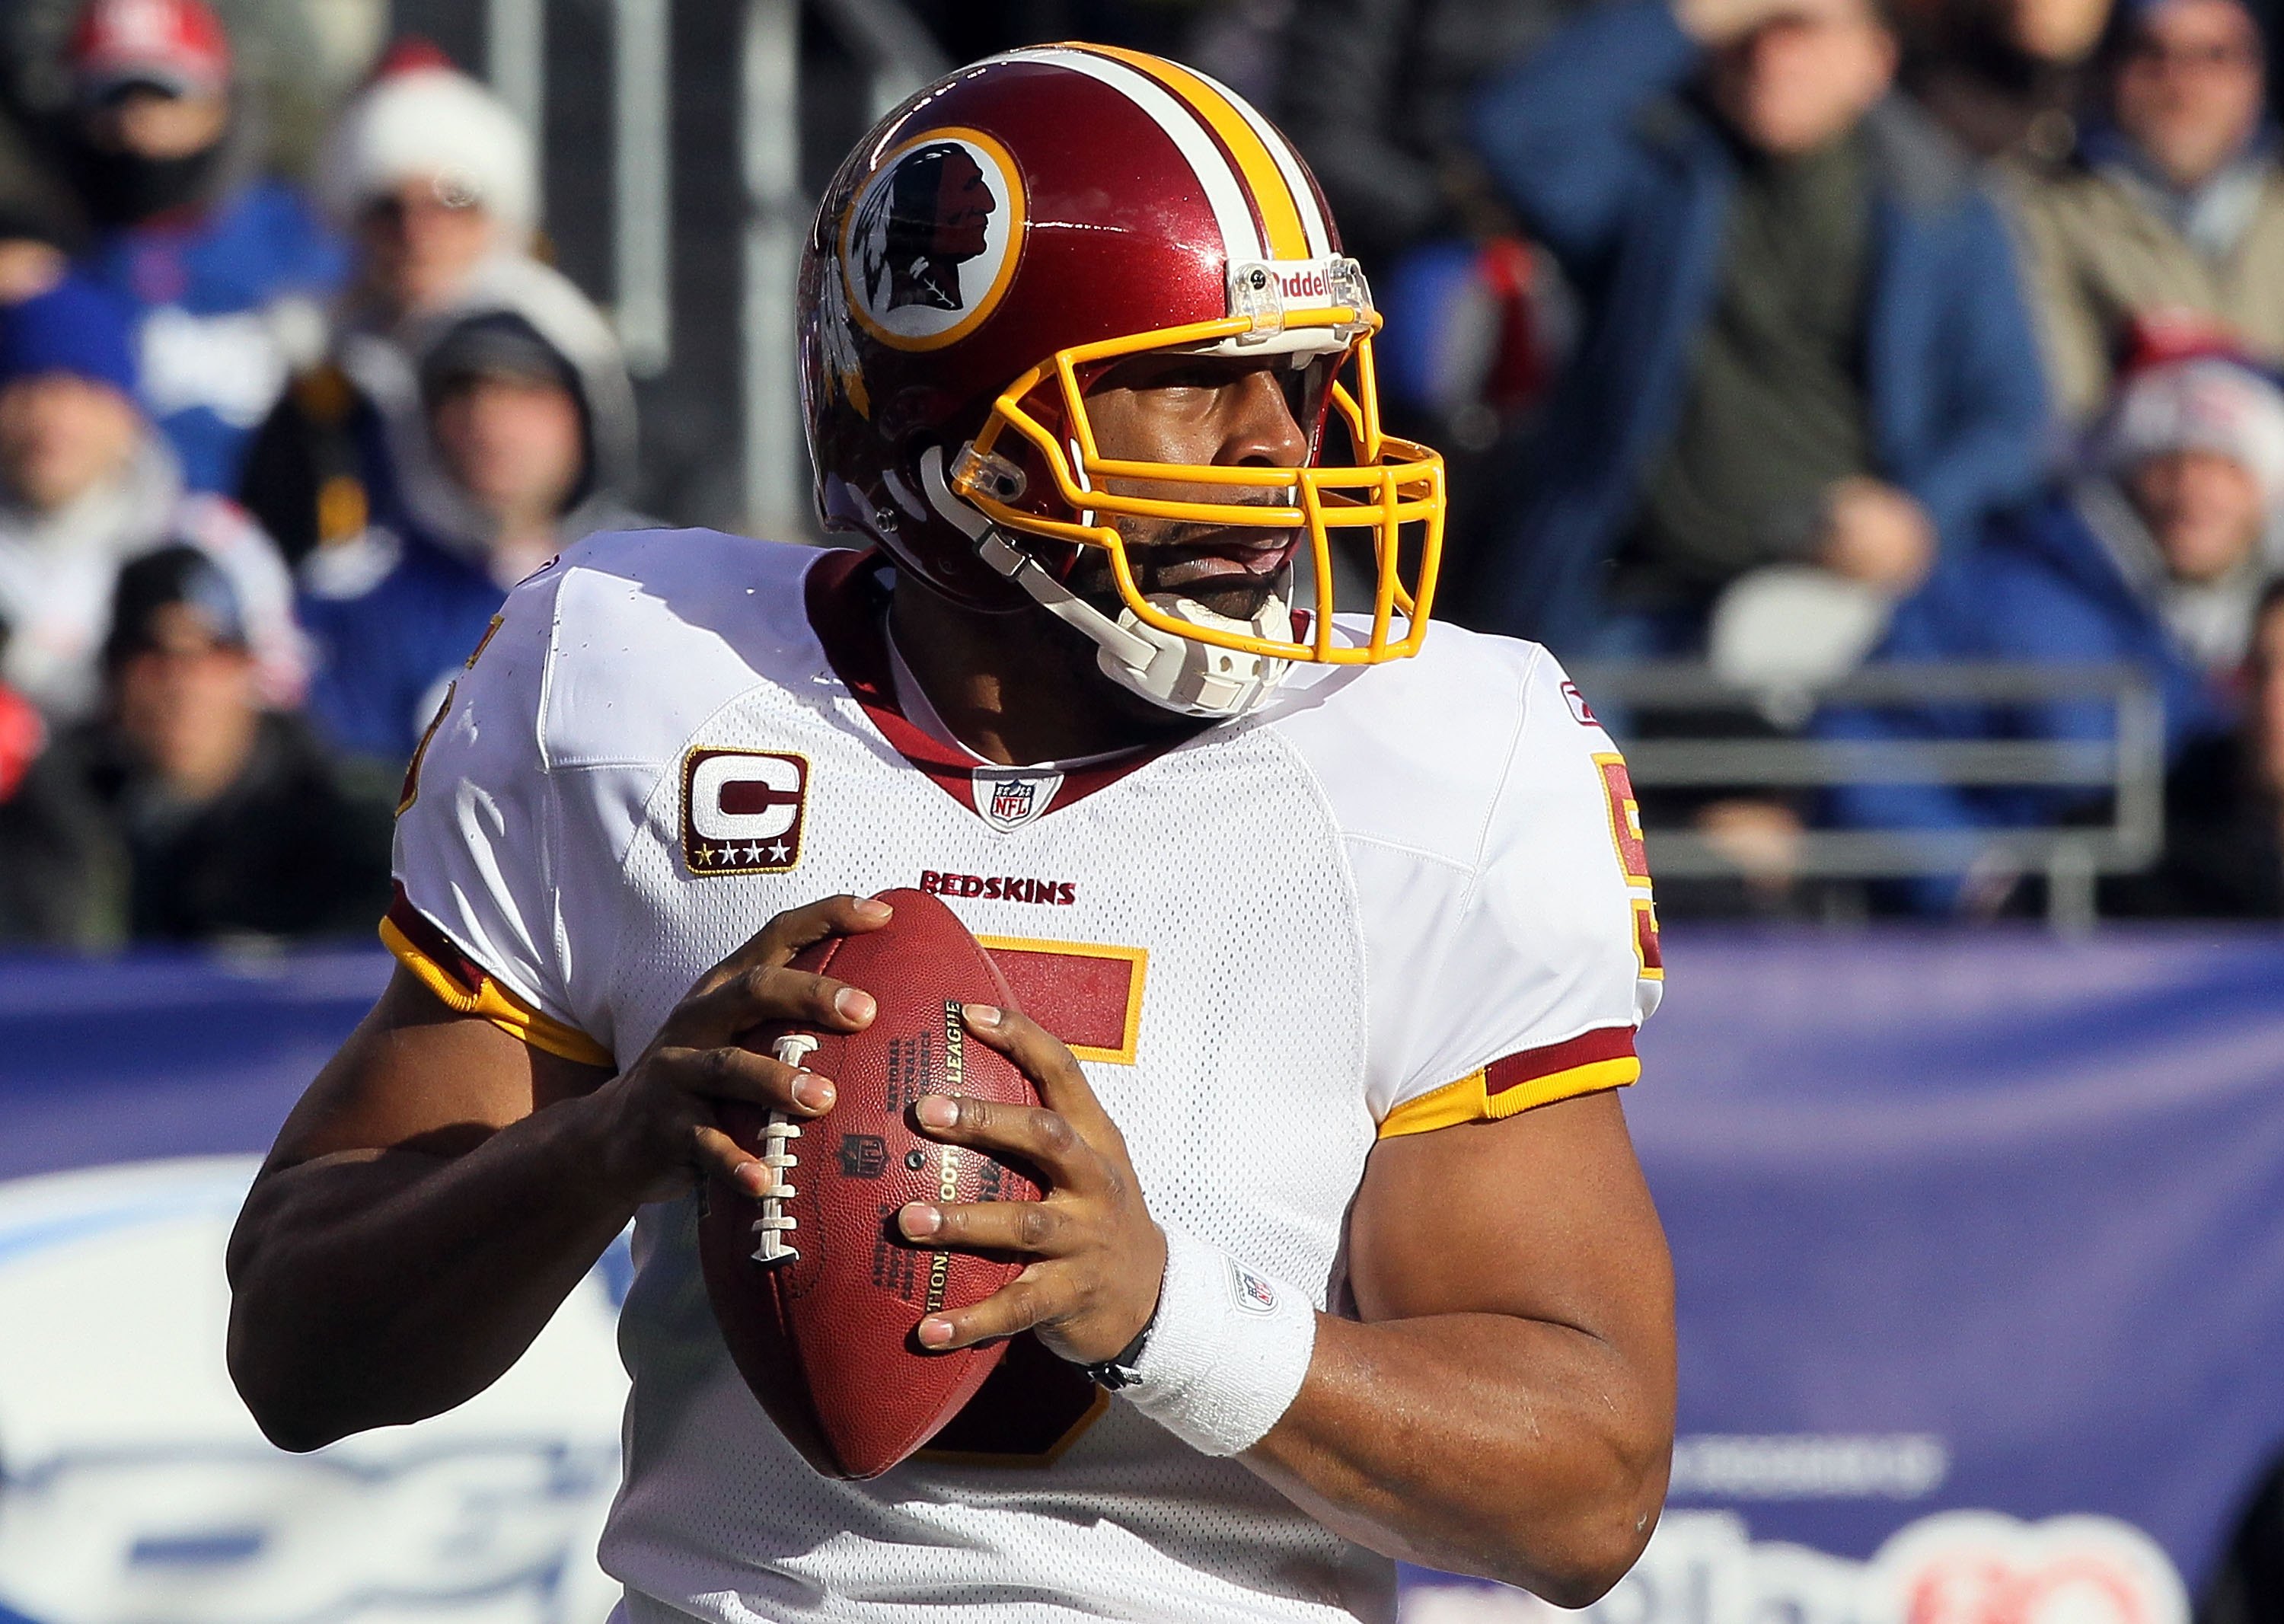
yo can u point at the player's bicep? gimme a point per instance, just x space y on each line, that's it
418 1075
1541 1216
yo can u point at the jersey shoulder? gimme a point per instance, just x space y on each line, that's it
1421 753
644 634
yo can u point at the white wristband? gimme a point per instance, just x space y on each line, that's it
1227 1353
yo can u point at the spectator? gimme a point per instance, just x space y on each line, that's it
85 486
2155 557
520 441
2006 78
2172 212
189 811
1376 93
1801 339
230 273
2190 486
433 182
31 261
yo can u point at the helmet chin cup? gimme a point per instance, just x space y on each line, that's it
1193 678
1182 674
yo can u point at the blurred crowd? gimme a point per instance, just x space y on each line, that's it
271 451
1790 336
1795 336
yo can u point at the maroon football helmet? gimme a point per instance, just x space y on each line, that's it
996 244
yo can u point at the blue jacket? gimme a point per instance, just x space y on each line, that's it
2039 586
1629 185
203 288
393 618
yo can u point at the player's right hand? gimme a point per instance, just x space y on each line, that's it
657 1120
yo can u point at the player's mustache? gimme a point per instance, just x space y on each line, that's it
1189 533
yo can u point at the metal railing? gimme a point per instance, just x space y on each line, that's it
2129 768
642 168
898 56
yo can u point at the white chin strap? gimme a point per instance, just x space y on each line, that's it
1182 674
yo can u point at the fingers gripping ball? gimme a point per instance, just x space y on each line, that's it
815 1291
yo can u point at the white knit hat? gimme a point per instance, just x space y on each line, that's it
430 122
2205 404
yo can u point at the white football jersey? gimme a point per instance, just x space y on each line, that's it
1397 898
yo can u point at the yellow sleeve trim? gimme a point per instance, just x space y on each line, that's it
493 1002
1470 1100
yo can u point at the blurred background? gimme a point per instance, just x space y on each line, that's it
1874 403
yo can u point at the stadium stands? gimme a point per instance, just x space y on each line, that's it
1904 488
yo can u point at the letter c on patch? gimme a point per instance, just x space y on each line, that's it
745 797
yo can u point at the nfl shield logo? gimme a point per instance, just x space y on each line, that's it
1009 800
1253 1294
862 1155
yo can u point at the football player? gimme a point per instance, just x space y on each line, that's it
1345 1256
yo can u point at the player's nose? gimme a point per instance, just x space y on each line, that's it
1261 428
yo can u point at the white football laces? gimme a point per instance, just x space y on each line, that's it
775 1223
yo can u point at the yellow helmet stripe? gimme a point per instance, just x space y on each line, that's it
1280 213
1313 211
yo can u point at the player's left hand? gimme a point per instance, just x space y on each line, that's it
1098 1258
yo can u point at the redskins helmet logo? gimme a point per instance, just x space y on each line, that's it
932 239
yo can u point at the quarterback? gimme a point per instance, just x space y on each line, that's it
1337 931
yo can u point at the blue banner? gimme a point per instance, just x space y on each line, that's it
1979 1243
124 1059
136 1098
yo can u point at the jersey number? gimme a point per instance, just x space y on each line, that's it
1088 995
1034 1405
1633 860
410 791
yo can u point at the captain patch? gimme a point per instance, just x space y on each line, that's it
742 810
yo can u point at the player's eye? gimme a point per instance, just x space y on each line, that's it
1304 385
1200 375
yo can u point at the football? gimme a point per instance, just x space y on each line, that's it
817 1293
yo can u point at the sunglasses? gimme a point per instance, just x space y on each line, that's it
442 196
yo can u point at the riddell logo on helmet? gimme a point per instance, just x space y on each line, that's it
1298 281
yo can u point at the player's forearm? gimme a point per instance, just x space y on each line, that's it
370 1289
1508 1448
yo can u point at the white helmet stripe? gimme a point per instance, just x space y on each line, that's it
1305 195
1240 238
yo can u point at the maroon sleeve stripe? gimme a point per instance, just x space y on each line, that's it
1602 1043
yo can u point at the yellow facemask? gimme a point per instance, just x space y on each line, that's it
1395 484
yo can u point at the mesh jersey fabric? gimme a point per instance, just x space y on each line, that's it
1390 879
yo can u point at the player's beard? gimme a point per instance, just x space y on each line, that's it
1158 548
